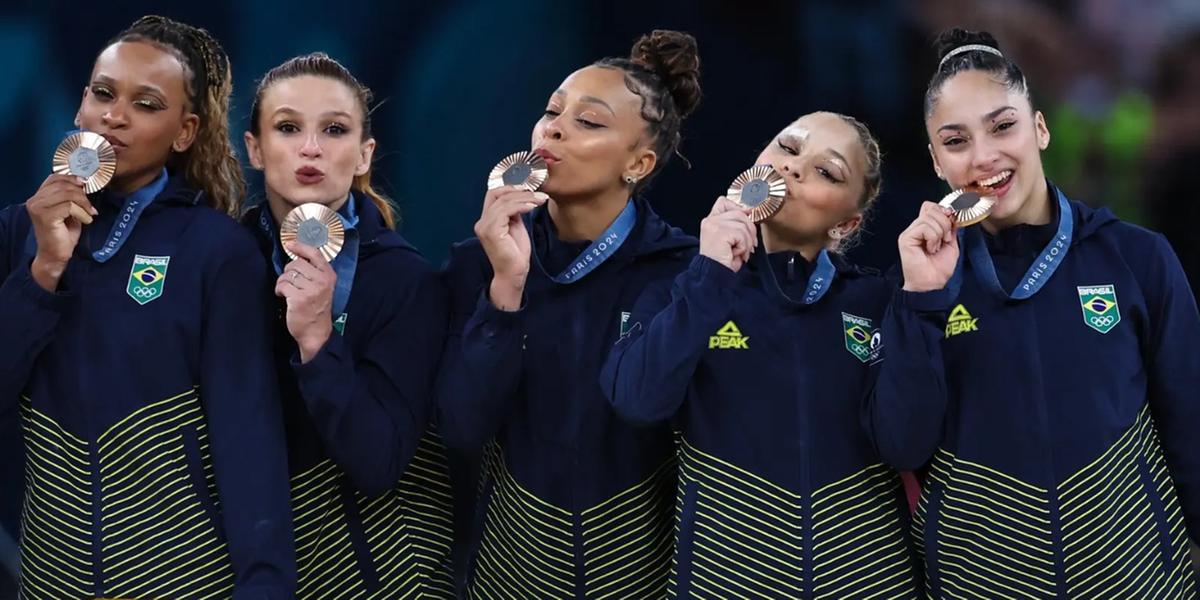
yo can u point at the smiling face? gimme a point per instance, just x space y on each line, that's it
592 135
822 159
983 132
310 145
138 101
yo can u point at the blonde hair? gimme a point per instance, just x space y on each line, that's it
872 180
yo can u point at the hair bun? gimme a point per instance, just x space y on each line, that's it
948 40
673 56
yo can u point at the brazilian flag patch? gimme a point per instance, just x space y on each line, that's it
146 278
1100 310
862 339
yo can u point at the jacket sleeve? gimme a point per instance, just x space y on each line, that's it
372 410
904 412
29 315
482 361
1173 369
241 400
649 369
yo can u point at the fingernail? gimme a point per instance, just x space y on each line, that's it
92 209
541 196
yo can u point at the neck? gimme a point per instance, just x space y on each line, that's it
585 219
774 242
1037 210
127 185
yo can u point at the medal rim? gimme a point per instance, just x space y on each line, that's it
289 229
776 190
538 171
106 156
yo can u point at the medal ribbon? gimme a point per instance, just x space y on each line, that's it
819 281
1042 268
345 264
131 211
601 250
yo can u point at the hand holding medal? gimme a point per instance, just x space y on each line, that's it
83 163
312 235
512 192
90 157
929 249
728 234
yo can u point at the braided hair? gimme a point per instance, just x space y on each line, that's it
210 164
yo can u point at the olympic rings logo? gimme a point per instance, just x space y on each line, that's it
1104 321
859 349
145 292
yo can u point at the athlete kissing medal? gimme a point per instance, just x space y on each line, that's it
523 169
87 155
971 204
759 188
313 225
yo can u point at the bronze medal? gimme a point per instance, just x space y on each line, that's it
761 189
523 169
314 225
87 155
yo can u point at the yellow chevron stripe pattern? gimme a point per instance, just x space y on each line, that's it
56 543
747 531
526 550
748 534
425 489
157 536
919 518
1178 564
150 503
407 530
628 540
324 555
859 548
673 574
1121 527
993 532
1113 544
680 493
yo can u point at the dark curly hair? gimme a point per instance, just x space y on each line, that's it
663 68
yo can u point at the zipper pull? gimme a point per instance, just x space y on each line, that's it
792 268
